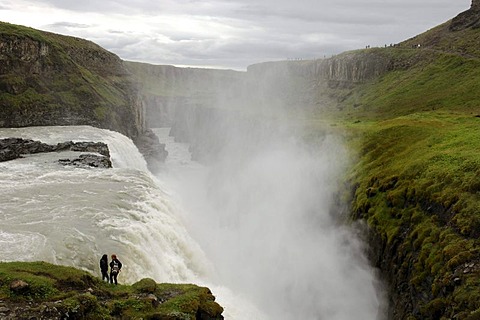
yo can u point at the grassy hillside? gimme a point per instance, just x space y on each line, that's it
38 290
49 79
416 131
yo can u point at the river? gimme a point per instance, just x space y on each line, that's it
260 229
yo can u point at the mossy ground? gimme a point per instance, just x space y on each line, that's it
415 133
418 187
80 295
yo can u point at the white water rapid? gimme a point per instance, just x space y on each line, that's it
257 229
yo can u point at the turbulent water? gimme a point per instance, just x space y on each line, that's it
257 229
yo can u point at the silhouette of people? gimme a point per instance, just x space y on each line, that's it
104 267
115 267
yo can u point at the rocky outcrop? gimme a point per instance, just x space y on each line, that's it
467 19
151 148
352 68
69 293
13 148
166 88
202 105
87 160
346 69
49 79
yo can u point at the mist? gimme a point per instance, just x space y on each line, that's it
264 211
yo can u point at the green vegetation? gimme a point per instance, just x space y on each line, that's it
416 134
418 184
414 131
422 80
58 291
50 79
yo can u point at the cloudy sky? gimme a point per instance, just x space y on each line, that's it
232 33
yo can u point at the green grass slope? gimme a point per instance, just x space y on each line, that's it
50 79
49 291
416 131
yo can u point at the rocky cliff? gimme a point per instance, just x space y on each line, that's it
412 113
49 79
194 101
467 19
166 89
416 181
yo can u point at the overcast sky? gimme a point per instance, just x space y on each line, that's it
232 33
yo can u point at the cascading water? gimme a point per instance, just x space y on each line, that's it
72 216
257 231
265 218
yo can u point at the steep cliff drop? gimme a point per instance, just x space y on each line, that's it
264 212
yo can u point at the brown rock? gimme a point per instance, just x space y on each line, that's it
18 285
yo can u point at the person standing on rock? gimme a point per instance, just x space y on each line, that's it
115 267
104 267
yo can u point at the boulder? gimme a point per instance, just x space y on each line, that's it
18 285
13 148
88 160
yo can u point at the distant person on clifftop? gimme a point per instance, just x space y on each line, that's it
104 267
115 267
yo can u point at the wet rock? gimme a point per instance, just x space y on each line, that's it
8 154
13 148
151 148
88 160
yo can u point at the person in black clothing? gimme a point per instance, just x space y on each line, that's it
104 267
115 267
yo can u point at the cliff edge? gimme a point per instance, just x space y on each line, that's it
39 290
48 79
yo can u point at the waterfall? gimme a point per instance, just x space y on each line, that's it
266 218
258 229
71 216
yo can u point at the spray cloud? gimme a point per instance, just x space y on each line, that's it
263 210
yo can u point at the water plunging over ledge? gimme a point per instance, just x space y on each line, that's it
256 231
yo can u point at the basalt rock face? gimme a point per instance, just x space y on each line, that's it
197 103
165 88
352 68
344 70
49 79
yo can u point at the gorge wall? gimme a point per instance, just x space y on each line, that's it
49 79
423 283
197 102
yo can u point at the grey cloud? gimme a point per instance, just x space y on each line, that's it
64 24
299 15
233 54
106 6
252 31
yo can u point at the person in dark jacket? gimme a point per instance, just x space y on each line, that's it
104 267
115 267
